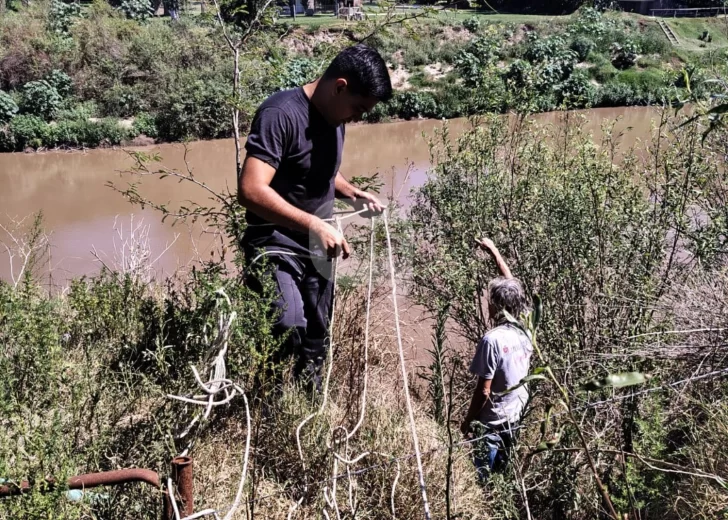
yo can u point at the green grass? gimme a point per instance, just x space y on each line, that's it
689 29
328 19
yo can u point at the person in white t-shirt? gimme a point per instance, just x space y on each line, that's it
501 361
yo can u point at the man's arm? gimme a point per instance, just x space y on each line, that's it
480 398
489 246
360 199
255 193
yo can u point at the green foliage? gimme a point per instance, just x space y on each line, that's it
8 108
136 9
198 110
474 59
61 16
89 134
472 24
145 123
591 23
298 71
60 81
29 131
553 58
582 46
122 101
412 105
624 55
577 91
652 41
40 99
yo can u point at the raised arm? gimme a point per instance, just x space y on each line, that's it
488 245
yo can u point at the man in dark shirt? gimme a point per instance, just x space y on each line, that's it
288 184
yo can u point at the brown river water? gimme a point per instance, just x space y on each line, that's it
82 214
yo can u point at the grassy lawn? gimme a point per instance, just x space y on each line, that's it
450 15
689 29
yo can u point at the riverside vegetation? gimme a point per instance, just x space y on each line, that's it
94 75
626 248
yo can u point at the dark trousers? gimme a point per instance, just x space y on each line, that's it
302 310
493 448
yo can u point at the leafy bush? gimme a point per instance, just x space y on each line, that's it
145 123
472 60
582 46
472 24
30 131
577 91
614 94
412 105
624 55
553 57
136 9
61 82
604 73
198 110
89 134
40 99
652 41
85 110
122 101
8 108
61 15
590 22
297 71
455 101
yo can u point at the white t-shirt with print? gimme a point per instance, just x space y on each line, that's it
503 355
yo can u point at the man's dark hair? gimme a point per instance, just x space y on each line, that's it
365 71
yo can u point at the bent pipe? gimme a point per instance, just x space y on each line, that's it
89 480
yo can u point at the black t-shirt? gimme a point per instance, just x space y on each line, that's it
289 134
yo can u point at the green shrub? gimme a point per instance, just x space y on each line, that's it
582 46
198 110
454 101
653 41
554 58
577 91
61 15
61 82
30 131
412 105
8 108
145 123
89 134
40 99
624 55
603 73
298 71
615 94
122 101
85 110
590 22
472 60
472 24
136 9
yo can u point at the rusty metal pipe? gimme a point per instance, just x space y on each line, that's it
182 478
90 480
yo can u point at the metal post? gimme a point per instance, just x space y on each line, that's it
182 478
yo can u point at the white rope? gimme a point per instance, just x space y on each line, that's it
329 366
217 386
405 382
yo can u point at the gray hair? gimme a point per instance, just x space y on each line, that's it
506 294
